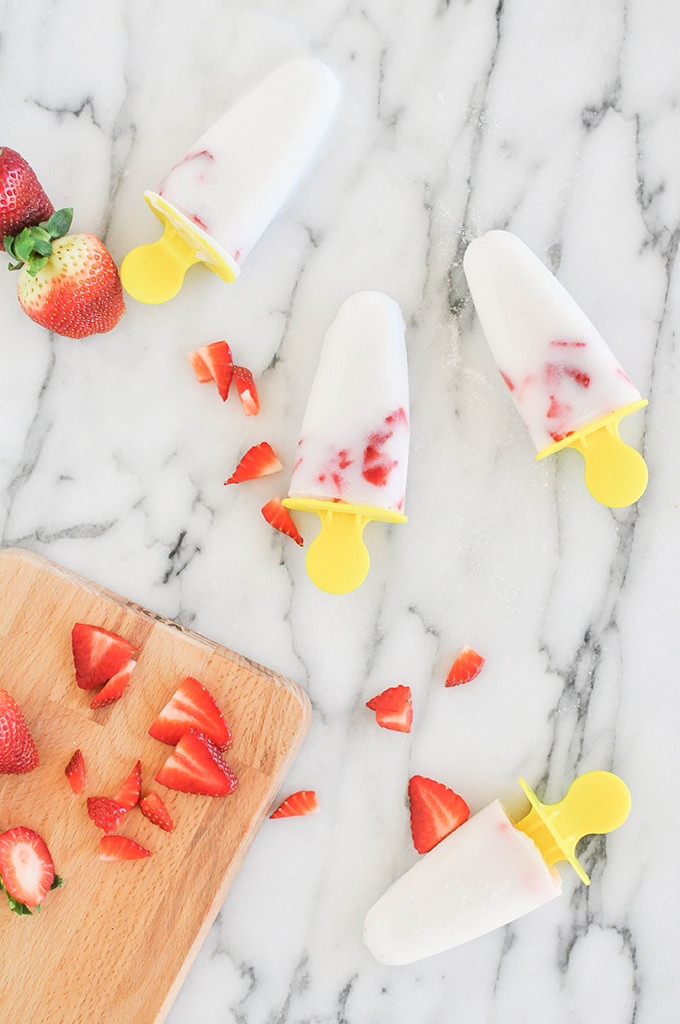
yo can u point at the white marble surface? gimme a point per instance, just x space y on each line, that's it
559 121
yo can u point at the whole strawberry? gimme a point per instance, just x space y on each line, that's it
69 283
22 199
18 752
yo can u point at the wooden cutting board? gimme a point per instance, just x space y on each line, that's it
114 945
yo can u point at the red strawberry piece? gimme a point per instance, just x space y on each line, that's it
69 283
18 752
435 812
214 362
98 654
23 202
192 706
393 708
247 392
26 866
303 802
467 666
260 460
75 773
154 809
279 517
128 794
116 686
196 766
105 813
121 848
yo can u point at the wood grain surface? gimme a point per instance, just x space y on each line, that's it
116 942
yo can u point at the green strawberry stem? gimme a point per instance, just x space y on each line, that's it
32 247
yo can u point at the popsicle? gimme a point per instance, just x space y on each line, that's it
490 871
566 383
352 454
217 201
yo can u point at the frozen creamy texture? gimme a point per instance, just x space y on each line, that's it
233 181
560 372
353 445
484 875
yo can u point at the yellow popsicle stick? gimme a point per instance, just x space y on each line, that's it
596 802
154 273
337 560
615 474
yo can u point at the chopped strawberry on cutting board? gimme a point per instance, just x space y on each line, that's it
114 689
192 706
393 708
435 812
213 362
297 804
26 869
98 654
278 516
467 666
128 794
153 808
105 813
75 773
18 752
197 766
260 460
121 848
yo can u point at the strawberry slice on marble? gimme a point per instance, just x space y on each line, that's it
213 362
278 516
260 460
247 392
393 708
297 804
435 812
467 666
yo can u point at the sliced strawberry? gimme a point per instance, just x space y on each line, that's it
467 666
98 654
105 813
196 766
26 867
18 752
192 706
303 802
121 848
75 773
154 809
116 686
247 392
435 812
393 708
260 460
203 374
128 794
278 516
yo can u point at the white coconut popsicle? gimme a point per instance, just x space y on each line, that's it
221 196
352 455
489 872
563 378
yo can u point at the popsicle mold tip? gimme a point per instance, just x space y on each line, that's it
596 802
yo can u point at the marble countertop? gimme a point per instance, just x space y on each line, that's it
559 121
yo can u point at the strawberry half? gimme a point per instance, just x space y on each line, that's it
192 706
105 813
214 362
18 752
26 868
278 516
196 766
154 809
297 804
247 392
75 773
467 666
393 708
121 848
23 202
116 686
128 794
435 812
98 654
260 460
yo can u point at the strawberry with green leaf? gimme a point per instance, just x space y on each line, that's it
68 283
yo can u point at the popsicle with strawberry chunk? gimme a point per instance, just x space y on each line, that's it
566 383
219 198
352 455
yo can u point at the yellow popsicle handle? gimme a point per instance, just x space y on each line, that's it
615 474
596 802
337 560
